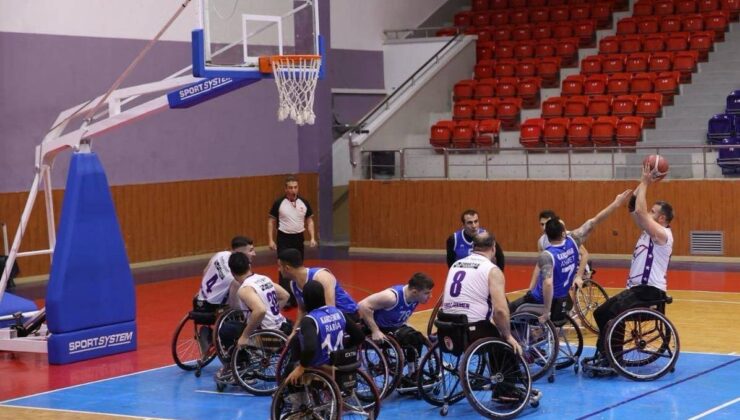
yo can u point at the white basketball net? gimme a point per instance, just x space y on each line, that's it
296 82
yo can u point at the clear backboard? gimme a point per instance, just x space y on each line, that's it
233 35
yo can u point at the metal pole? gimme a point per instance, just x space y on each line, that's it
614 170
526 162
447 163
570 174
401 164
704 158
5 239
49 199
486 157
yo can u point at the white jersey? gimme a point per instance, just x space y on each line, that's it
214 288
466 288
650 261
266 291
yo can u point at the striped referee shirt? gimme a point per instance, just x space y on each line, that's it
291 215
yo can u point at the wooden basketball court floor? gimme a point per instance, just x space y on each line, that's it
145 384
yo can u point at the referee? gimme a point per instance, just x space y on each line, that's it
294 216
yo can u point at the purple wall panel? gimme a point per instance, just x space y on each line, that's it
356 69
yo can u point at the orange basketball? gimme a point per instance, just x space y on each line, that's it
660 162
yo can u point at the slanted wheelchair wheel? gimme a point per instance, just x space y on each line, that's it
283 366
539 342
411 368
589 297
363 402
394 359
316 396
375 365
495 380
431 328
255 365
192 346
231 315
642 344
570 344
438 380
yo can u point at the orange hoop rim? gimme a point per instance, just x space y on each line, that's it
265 62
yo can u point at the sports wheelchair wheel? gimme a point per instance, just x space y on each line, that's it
539 342
316 396
361 401
407 380
395 360
192 345
570 343
254 365
495 380
431 328
231 315
589 297
438 380
373 362
642 344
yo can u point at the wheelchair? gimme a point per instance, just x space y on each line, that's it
192 343
488 373
403 362
554 345
341 390
431 328
253 366
588 297
641 344
370 355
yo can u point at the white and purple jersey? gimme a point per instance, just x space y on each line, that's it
466 288
214 288
330 324
265 289
650 261
565 260
343 300
397 315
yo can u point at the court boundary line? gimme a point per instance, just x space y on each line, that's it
645 394
63 410
715 409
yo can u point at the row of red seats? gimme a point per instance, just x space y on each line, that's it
480 5
683 61
581 131
648 105
714 21
585 30
620 83
600 12
465 134
527 88
565 48
547 69
670 7
506 109
702 42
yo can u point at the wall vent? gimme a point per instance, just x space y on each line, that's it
705 242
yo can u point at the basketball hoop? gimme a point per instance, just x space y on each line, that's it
295 77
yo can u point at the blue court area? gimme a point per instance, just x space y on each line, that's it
701 383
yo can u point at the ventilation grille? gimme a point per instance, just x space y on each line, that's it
704 242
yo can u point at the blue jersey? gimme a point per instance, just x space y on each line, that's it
565 259
330 325
463 247
343 301
397 315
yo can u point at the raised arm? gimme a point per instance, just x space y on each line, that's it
581 234
496 288
385 299
641 215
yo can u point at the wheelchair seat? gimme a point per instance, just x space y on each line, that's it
659 304
203 317
452 332
347 364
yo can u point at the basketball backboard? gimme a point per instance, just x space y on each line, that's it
233 35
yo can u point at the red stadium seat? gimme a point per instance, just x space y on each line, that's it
575 106
441 135
464 110
484 35
518 16
629 131
528 89
602 13
630 44
517 4
585 31
562 30
642 8
670 24
499 18
663 7
702 42
526 67
718 22
599 105
522 33
567 50
677 41
548 70
649 106
580 11
524 49
484 50
485 88
732 7
508 112
541 31
637 62
479 5
504 49
559 14
539 15
480 19
627 26
530 133
545 48
484 69
648 25
609 45
556 129
506 67
692 22
642 83
595 84
573 85
686 6
613 63
654 43
707 6
661 61
463 90
667 83
624 105
619 84
579 131
501 32
464 133
553 107
604 130
463 19
506 87
498 4
591 65
485 111
685 63
488 133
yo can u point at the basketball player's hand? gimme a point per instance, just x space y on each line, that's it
272 246
243 341
295 375
312 243
649 175
378 336
577 282
622 197
513 343
544 317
